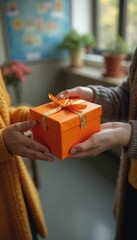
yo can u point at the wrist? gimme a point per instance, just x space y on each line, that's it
128 134
122 133
89 94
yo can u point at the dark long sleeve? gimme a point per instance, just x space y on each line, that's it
114 101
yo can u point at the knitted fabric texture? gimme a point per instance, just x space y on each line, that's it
16 183
124 101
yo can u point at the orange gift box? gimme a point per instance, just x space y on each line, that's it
61 130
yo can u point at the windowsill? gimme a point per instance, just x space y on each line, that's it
94 74
97 61
93 69
94 60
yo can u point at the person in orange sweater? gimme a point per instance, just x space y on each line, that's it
21 215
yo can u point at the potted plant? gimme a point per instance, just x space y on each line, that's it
113 58
77 45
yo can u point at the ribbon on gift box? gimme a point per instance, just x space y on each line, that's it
74 106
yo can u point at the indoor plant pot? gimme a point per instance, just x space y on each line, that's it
113 59
77 57
77 45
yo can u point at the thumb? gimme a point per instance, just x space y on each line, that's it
77 149
82 147
24 126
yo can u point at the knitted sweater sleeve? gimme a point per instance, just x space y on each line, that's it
4 154
131 151
18 114
114 101
8 115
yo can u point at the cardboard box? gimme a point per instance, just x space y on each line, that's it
62 130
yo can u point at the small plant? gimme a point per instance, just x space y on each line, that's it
117 46
73 41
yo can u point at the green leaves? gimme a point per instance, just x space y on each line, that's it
73 41
118 46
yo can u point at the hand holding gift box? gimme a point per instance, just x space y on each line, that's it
63 123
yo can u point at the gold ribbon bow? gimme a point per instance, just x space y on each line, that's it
71 105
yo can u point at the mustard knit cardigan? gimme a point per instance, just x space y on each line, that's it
15 182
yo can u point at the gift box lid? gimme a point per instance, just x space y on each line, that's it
65 119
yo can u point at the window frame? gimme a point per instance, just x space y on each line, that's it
121 28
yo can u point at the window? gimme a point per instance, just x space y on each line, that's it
131 26
112 18
108 20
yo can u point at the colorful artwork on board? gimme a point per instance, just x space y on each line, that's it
35 28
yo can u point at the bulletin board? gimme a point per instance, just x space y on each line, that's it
35 28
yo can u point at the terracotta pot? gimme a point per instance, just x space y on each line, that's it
77 58
113 65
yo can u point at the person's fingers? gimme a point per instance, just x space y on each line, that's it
77 92
94 145
19 144
111 125
32 154
32 144
68 93
104 126
83 147
89 153
24 126
90 148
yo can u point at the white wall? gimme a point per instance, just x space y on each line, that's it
44 77
81 16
